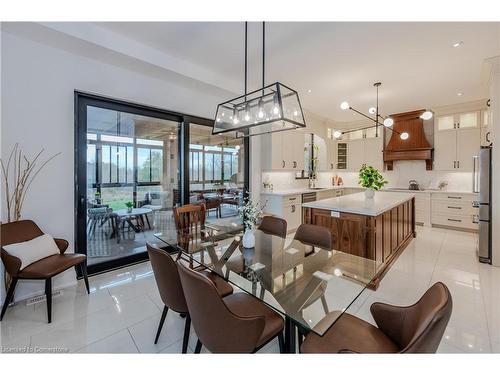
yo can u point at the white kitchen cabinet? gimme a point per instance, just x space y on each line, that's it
457 139
287 207
325 194
454 210
485 128
356 154
341 151
283 151
365 151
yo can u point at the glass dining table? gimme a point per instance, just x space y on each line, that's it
311 287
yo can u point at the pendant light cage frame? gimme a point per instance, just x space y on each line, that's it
273 108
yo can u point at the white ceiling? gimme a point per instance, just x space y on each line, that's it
416 62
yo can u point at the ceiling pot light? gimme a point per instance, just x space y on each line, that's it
337 134
309 91
372 110
344 106
388 122
404 136
458 44
460 93
427 115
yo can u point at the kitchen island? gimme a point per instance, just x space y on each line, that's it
378 229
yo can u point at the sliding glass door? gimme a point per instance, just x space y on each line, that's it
131 182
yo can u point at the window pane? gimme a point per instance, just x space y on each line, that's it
227 167
114 164
130 164
122 171
209 169
143 164
105 163
217 166
156 165
91 164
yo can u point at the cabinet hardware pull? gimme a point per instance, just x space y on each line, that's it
454 164
283 164
295 164
455 220
292 199
488 137
450 197
455 208
458 163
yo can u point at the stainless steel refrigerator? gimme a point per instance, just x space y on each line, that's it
482 185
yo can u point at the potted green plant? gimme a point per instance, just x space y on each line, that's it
371 179
130 206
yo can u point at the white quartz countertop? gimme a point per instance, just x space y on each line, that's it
434 191
359 204
286 192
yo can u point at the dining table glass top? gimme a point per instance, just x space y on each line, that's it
311 286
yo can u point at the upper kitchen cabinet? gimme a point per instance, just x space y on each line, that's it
485 127
283 151
364 148
457 139
325 152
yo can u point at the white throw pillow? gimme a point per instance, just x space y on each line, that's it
33 250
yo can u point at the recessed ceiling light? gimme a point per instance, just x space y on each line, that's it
309 91
460 93
457 44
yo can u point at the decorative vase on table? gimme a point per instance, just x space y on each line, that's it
249 239
369 193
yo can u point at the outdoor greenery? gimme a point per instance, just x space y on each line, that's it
370 178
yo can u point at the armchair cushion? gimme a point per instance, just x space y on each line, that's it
33 250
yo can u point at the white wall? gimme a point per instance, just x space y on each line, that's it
37 111
2 281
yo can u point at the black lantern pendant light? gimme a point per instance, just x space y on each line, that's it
270 109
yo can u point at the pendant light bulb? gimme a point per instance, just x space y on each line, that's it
388 122
337 134
235 117
260 113
247 113
372 110
427 115
404 136
344 106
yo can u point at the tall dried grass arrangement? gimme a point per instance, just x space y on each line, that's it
24 172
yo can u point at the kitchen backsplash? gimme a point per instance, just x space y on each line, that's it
399 177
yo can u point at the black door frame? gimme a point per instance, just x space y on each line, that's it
81 101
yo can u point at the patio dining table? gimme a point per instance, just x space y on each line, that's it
311 287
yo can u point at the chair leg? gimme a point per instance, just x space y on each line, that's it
9 296
162 320
281 342
185 340
48 296
83 268
197 350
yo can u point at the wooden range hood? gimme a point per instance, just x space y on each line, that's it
416 147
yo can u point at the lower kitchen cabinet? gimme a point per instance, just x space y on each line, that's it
454 210
288 207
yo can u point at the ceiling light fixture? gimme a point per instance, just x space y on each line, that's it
460 93
387 122
427 115
270 109
458 44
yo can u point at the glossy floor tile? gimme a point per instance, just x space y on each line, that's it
122 313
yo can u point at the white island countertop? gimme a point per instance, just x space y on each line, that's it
359 204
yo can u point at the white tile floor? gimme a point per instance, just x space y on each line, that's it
122 312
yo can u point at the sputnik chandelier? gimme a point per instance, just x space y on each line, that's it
387 122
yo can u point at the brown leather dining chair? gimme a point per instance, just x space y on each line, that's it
273 225
418 328
170 288
43 269
314 235
238 323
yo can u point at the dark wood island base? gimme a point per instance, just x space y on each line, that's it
381 238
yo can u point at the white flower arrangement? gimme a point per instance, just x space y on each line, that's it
250 213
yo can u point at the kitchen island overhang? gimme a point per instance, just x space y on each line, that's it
379 228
